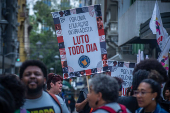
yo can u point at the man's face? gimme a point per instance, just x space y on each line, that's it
33 78
167 93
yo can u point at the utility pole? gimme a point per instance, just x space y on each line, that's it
3 24
3 57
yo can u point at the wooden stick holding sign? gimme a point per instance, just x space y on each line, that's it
87 80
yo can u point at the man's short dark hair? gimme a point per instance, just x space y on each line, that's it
37 63
152 64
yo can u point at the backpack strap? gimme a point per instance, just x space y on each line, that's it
123 108
56 100
110 110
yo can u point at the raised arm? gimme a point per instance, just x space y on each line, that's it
80 106
81 102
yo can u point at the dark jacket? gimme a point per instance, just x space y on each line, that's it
82 97
130 102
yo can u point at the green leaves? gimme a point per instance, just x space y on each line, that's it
43 30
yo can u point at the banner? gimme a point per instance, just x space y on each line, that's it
124 71
157 27
81 40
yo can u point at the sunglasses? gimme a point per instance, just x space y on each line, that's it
55 75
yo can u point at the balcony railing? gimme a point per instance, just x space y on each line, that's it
23 14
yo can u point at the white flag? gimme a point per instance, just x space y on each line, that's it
163 57
157 27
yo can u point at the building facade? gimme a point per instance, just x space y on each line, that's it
133 24
23 38
8 35
14 35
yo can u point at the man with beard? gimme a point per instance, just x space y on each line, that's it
33 74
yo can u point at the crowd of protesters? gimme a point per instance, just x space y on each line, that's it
26 93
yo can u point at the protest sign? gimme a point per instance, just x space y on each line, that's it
124 71
81 40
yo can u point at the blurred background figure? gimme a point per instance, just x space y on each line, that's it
72 104
128 91
152 64
7 103
104 94
16 88
167 94
120 81
65 100
148 95
155 75
54 83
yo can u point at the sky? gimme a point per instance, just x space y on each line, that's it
31 3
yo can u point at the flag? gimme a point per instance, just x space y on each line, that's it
163 58
157 27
